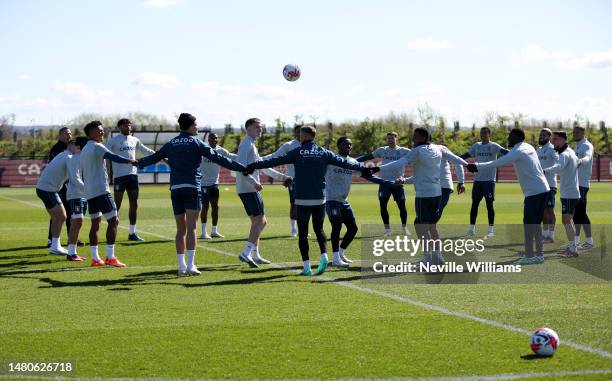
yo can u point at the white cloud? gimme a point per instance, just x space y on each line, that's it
428 43
24 77
165 81
564 59
161 4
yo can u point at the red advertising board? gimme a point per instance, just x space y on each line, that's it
20 172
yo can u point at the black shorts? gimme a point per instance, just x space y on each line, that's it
291 190
50 199
427 210
78 208
128 182
583 194
253 203
550 198
339 211
533 208
304 212
444 199
103 205
385 191
210 191
185 199
484 189
568 205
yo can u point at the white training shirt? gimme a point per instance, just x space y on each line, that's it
93 169
388 155
584 152
527 166
483 153
426 160
76 187
283 150
55 173
566 168
548 157
210 170
126 146
446 177
338 181
247 154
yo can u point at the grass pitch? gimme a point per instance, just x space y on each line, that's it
236 323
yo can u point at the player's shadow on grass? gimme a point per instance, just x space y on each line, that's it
132 243
22 248
223 240
21 256
25 263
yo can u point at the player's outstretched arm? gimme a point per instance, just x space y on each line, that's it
117 159
155 157
506 159
273 161
401 162
363 158
223 161
558 166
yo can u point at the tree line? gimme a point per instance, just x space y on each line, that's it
366 134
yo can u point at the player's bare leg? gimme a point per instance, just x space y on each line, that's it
132 214
204 220
58 217
214 214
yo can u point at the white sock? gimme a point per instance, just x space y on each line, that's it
132 229
336 256
324 255
490 229
589 240
341 252
248 247
551 234
214 229
55 242
203 227
110 251
255 251
306 265
293 224
577 240
181 262
94 253
71 249
472 228
190 258
545 233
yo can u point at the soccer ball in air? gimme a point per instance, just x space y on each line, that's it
291 72
544 342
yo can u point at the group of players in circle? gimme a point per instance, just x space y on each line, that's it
319 183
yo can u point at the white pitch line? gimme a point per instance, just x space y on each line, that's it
492 377
399 298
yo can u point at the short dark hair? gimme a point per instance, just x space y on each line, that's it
250 122
80 141
561 134
63 129
91 125
392 133
186 120
341 140
581 128
518 133
309 130
487 129
423 132
123 122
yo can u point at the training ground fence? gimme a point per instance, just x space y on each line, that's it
18 171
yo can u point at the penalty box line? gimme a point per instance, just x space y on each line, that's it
388 295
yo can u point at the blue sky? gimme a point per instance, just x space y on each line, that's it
222 60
